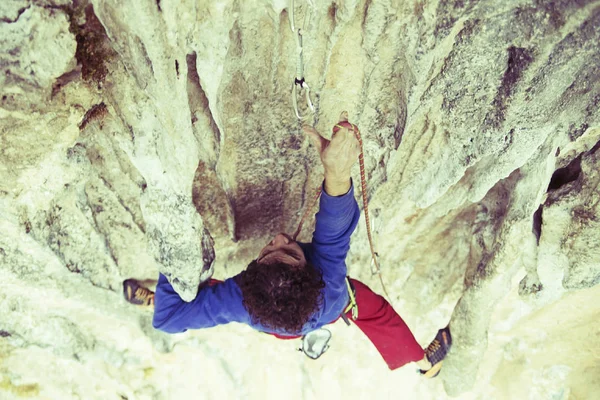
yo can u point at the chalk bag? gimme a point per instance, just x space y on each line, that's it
315 343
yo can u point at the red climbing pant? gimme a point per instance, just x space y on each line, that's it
382 325
384 328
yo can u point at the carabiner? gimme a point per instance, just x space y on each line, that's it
303 85
375 267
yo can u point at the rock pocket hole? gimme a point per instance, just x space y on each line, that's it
562 176
537 223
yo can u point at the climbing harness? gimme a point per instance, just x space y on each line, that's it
299 83
315 343
351 304
363 183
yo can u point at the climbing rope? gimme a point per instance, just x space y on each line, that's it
363 184
300 83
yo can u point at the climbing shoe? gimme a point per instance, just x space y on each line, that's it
136 294
437 351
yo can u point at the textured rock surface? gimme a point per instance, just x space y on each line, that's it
138 136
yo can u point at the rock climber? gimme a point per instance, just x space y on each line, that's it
293 288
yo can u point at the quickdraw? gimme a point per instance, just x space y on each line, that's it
300 83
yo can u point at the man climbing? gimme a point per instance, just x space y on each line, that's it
293 288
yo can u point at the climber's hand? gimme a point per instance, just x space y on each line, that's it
338 155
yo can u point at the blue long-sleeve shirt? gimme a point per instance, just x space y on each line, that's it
222 303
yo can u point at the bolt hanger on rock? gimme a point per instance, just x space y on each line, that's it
299 83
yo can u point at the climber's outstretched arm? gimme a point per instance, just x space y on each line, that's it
338 212
214 305
335 222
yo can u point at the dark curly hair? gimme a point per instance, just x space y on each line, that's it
280 296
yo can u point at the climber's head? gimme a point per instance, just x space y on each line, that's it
282 249
281 289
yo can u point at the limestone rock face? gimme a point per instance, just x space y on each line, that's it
28 56
147 136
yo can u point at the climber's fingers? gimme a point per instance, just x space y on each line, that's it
345 140
318 140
